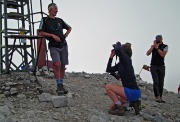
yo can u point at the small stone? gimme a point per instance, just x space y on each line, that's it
1 91
45 97
27 81
56 116
2 118
87 76
141 83
21 96
3 87
24 106
13 111
30 114
38 73
7 93
105 77
45 68
40 70
51 69
7 88
46 73
5 110
31 73
11 119
2 96
51 75
13 91
9 84
70 95
144 97
95 118
20 78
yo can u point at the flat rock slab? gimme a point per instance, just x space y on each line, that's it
59 101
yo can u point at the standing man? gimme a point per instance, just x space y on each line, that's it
52 28
159 51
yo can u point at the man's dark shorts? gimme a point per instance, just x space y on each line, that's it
59 54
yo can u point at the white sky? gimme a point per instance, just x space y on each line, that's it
97 24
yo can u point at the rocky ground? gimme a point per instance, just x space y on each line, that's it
23 100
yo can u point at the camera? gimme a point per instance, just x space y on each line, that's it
157 41
114 45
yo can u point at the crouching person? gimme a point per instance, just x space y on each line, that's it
128 94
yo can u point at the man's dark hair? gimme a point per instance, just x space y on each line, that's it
159 37
126 48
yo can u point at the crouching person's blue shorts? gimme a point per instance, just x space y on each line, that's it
132 94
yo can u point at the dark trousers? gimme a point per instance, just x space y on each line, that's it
158 74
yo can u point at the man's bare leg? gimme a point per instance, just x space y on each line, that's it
62 71
57 67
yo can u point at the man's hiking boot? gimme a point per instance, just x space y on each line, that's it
60 89
118 110
136 105
158 99
162 101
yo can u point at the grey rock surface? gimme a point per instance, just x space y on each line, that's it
45 97
87 101
4 110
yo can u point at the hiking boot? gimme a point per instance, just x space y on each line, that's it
158 99
65 91
118 110
136 105
125 108
162 101
60 89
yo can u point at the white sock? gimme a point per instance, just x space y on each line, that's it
118 103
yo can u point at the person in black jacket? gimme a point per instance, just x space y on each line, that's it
129 93
159 51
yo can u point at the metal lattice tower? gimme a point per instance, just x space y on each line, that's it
15 14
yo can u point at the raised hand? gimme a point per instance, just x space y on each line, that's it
112 53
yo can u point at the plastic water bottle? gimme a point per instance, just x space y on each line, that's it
22 32
23 40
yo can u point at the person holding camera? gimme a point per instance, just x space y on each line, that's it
129 93
158 51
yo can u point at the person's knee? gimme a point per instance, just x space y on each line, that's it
57 64
108 86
